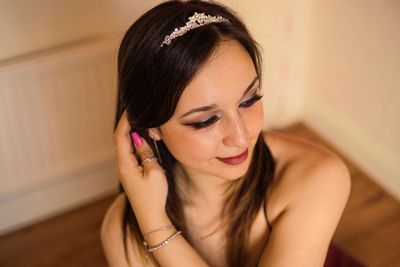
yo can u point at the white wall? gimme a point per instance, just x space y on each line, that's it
354 83
57 103
56 117
29 26
282 27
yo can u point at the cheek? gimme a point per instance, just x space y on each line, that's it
188 145
254 118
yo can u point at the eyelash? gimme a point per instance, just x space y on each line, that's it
204 124
213 119
251 101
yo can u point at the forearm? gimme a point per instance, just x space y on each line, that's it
177 252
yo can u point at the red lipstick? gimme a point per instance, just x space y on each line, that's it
235 160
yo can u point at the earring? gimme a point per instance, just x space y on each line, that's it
158 152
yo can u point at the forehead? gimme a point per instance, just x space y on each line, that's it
228 72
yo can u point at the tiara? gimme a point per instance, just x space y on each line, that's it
195 21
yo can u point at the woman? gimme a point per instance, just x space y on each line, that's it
203 184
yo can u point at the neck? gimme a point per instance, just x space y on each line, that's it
200 189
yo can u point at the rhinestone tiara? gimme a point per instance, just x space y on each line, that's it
195 21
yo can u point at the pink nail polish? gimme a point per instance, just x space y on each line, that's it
137 139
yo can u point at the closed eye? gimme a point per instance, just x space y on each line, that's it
249 102
203 124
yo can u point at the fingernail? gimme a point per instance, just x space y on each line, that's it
137 139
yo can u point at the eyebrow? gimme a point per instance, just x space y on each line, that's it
213 106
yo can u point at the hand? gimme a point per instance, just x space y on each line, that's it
145 184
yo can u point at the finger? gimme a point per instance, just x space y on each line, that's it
125 158
144 153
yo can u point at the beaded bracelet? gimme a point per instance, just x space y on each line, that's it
165 242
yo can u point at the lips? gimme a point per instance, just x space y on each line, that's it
235 160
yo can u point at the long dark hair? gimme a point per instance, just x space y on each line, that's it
151 80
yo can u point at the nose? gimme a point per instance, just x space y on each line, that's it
236 133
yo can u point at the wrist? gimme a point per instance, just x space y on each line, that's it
150 222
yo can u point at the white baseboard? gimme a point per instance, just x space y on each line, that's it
381 163
66 193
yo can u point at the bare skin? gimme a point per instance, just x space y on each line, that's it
289 153
304 204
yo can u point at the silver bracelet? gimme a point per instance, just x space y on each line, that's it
159 229
165 242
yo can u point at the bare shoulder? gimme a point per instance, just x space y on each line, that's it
113 218
121 251
305 201
111 233
284 146
302 167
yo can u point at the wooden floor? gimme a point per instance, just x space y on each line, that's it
369 229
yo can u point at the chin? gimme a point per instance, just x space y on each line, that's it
235 172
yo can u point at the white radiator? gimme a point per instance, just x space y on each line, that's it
56 124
